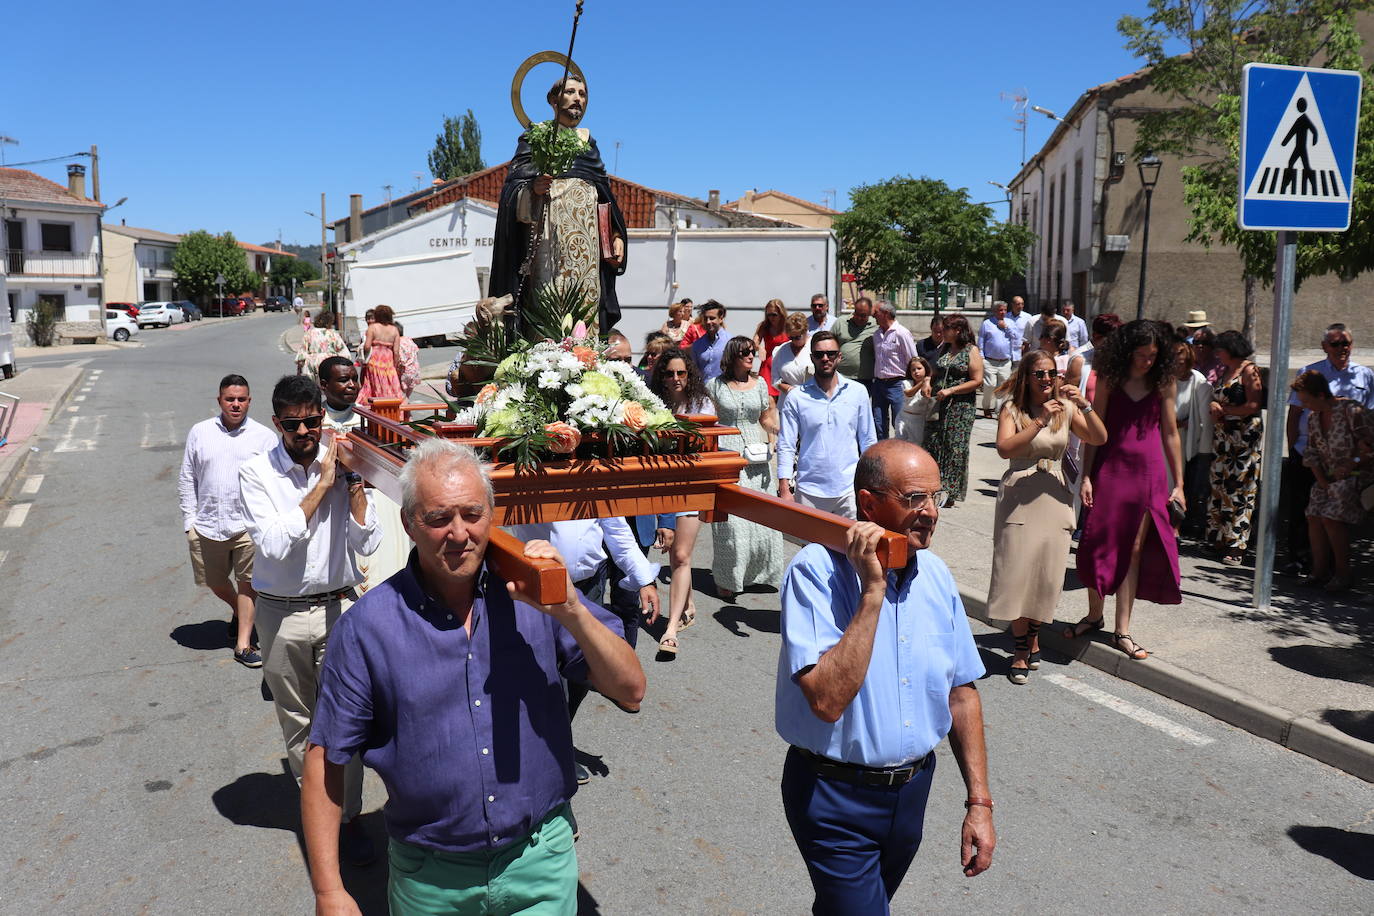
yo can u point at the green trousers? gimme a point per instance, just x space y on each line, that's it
534 875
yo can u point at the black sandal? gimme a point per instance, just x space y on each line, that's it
1093 626
1139 653
1032 631
1019 676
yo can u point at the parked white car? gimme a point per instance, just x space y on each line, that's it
164 314
119 326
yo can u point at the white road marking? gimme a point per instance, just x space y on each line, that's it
158 429
79 398
32 484
87 390
3 554
1143 716
17 515
69 441
73 409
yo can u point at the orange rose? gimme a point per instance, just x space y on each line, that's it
563 438
486 394
636 417
586 355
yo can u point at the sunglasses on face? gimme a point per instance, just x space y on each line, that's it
293 424
825 354
1045 373
676 373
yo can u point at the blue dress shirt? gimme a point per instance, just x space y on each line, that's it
1354 381
833 432
470 736
922 650
707 353
995 342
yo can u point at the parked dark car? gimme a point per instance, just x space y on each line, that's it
225 308
249 304
189 309
276 304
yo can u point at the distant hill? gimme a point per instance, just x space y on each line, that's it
304 252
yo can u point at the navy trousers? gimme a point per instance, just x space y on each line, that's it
857 841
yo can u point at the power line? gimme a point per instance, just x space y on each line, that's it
41 161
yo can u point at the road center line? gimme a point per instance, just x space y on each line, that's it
32 484
1143 716
17 515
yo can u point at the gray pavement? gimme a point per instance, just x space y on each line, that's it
143 771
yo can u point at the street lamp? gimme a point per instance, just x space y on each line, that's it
1006 190
1149 167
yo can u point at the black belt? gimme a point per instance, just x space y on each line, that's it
317 598
857 775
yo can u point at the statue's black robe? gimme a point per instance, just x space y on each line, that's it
512 236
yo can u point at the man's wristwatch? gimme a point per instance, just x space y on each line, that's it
352 477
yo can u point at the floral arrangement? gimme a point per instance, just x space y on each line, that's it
554 148
546 398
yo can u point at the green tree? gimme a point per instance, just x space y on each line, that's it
201 257
284 270
1202 125
457 148
906 229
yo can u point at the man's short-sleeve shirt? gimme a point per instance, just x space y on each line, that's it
1354 381
470 735
923 648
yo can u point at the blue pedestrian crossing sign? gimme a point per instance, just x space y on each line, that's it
1297 147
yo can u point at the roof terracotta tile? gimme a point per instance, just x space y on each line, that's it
21 184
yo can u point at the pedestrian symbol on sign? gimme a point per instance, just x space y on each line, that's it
1299 163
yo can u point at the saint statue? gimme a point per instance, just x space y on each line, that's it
569 233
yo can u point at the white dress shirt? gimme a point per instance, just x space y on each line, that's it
295 556
583 544
208 486
1078 332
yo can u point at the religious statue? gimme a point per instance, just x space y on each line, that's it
578 235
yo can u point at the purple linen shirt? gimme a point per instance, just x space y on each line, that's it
470 736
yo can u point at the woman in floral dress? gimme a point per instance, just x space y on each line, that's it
319 343
1237 433
958 376
745 553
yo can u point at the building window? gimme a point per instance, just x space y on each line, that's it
1078 206
56 236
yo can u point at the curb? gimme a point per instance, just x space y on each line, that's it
22 459
1300 733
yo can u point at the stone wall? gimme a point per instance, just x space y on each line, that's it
68 332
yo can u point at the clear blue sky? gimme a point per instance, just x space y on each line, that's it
224 116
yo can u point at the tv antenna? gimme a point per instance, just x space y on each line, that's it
1020 99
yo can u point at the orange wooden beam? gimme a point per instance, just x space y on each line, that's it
544 581
802 522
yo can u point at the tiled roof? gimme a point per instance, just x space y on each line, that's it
636 201
148 235
21 184
818 208
265 250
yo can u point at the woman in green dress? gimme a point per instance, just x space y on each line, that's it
745 553
957 378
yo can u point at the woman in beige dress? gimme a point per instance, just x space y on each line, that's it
1035 517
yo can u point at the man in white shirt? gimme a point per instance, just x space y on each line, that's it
212 512
297 304
1020 321
308 520
820 319
339 385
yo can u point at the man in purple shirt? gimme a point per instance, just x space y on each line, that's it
893 348
447 682
708 349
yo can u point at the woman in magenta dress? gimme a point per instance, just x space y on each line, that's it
1129 547
381 379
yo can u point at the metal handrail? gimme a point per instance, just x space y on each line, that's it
7 416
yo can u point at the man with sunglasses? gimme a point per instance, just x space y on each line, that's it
1346 380
826 424
309 519
876 667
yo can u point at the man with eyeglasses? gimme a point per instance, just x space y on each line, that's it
1346 380
826 424
212 511
876 667
309 519
820 318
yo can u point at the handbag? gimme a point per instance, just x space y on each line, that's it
755 452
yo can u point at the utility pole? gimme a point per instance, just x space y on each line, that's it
324 272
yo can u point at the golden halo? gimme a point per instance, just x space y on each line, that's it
543 57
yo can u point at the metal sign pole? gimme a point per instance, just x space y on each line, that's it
1285 261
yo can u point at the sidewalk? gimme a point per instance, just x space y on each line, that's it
42 392
1301 675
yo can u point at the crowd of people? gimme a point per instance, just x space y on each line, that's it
1122 436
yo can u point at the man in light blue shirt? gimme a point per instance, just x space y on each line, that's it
831 419
820 318
1021 321
997 340
876 667
708 349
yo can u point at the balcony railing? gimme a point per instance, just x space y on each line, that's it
20 262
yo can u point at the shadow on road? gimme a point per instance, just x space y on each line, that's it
272 801
1350 850
734 618
202 637
1354 722
586 903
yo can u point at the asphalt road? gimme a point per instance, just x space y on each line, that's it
142 771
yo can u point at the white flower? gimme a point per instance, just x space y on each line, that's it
575 391
550 379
